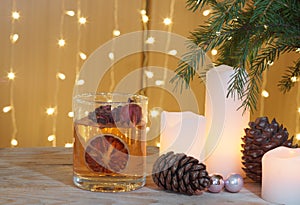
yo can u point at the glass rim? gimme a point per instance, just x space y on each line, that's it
87 97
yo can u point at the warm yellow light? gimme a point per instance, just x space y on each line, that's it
299 109
143 12
69 145
15 15
51 138
70 13
71 114
80 82
82 20
147 129
298 136
149 74
206 12
50 111
150 40
167 21
61 42
82 56
172 52
61 76
214 52
158 144
7 109
14 38
116 32
111 56
159 82
11 75
270 63
298 50
265 93
154 113
145 18
294 79
14 142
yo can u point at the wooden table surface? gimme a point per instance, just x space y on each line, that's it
43 175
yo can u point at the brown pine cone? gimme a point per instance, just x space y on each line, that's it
262 136
180 173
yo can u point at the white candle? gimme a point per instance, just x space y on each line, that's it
225 124
182 132
281 176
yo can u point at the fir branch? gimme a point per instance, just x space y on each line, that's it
194 5
249 36
237 83
224 12
262 10
191 63
250 96
287 82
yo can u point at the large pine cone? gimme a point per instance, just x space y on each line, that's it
261 137
180 173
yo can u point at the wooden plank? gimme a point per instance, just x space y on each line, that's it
44 176
38 155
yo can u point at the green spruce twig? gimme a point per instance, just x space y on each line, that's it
249 35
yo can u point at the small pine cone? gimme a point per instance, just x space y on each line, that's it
180 173
260 137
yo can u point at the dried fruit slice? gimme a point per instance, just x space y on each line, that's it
106 153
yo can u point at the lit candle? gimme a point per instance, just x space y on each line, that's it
280 176
225 124
182 132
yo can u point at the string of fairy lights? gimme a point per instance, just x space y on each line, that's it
14 37
116 32
59 76
298 110
146 73
264 93
52 111
296 79
168 21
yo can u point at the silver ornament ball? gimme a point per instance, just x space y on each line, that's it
234 183
216 183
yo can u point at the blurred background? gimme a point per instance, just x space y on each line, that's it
44 43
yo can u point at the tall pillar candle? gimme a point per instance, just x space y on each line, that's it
225 124
280 176
182 132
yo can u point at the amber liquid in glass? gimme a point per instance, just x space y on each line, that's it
125 172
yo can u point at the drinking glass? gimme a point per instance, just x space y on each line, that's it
109 153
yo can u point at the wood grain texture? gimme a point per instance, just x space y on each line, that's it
44 176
